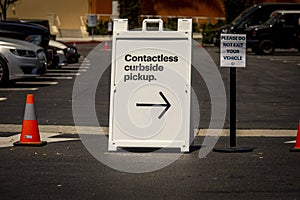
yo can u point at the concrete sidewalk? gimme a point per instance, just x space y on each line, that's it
90 39
48 131
100 38
62 129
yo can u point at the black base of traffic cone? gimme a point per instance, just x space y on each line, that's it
40 144
293 149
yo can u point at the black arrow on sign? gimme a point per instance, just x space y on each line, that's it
167 105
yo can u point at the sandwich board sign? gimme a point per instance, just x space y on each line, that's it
233 50
150 96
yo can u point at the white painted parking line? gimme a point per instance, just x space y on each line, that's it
56 77
290 142
66 70
274 59
288 61
3 98
84 67
63 74
37 83
75 67
18 89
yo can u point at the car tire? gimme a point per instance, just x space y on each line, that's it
3 72
266 47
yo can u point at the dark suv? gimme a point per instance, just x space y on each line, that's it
282 30
33 33
254 15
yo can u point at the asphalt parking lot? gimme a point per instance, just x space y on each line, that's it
65 170
268 104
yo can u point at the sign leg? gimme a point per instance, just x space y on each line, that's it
233 148
232 107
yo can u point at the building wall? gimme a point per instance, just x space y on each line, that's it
102 6
207 8
69 11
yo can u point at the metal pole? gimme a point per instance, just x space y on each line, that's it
233 148
233 107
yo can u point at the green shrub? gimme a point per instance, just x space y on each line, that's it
208 31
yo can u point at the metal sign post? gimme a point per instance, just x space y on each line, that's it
233 55
233 107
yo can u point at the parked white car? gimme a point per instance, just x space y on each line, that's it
20 59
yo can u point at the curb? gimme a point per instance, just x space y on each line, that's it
61 129
87 40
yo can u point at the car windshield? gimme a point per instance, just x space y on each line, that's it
239 19
274 18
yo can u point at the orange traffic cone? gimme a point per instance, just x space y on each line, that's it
297 145
105 46
30 132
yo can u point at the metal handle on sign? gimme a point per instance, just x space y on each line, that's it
147 21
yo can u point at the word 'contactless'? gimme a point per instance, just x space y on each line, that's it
156 58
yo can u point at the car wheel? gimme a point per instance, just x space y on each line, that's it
266 47
3 72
